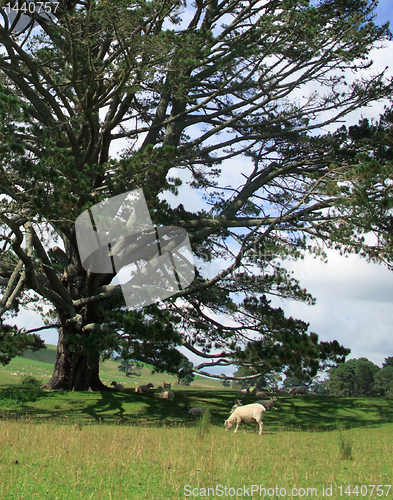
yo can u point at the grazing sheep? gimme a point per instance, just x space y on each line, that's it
244 392
260 395
167 395
236 405
117 387
268 404
196 411
298 391
143 388
246 415
282 392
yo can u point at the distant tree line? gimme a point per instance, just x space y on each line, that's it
355 377
361 377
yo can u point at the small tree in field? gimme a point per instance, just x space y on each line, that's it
225 382
130 368
213 94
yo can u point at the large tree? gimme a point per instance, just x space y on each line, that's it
228 95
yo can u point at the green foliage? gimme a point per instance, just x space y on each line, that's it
30 381
286 346
14 342
185 375
292 381
11 397
384 381
353 378
366 151
387 362
246 383
224 381
149 336
130 368
320 387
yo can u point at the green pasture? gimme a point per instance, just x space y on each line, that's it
59 445
60 462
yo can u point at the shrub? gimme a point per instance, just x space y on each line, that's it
30 381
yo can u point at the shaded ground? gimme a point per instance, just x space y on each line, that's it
295 413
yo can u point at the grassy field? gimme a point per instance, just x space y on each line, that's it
40 365
50 461
67 445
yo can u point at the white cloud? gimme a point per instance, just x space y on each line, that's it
353 303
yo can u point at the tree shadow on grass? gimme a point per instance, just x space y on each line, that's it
131 408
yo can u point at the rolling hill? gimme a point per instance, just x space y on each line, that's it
40 365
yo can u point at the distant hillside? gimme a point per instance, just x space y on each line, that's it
40 364
47 355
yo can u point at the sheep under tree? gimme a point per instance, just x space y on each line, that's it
298 391
118 387
166 394
142 389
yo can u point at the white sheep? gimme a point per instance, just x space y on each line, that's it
268 404
143 388
298 390
244 392
117 387
246 415
167 395
196 411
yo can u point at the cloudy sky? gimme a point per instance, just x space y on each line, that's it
354 297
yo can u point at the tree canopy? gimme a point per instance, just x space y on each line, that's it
360 377
366 190
227 96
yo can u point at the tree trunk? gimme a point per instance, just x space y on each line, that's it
75 369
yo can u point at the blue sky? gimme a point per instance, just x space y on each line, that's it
384 12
